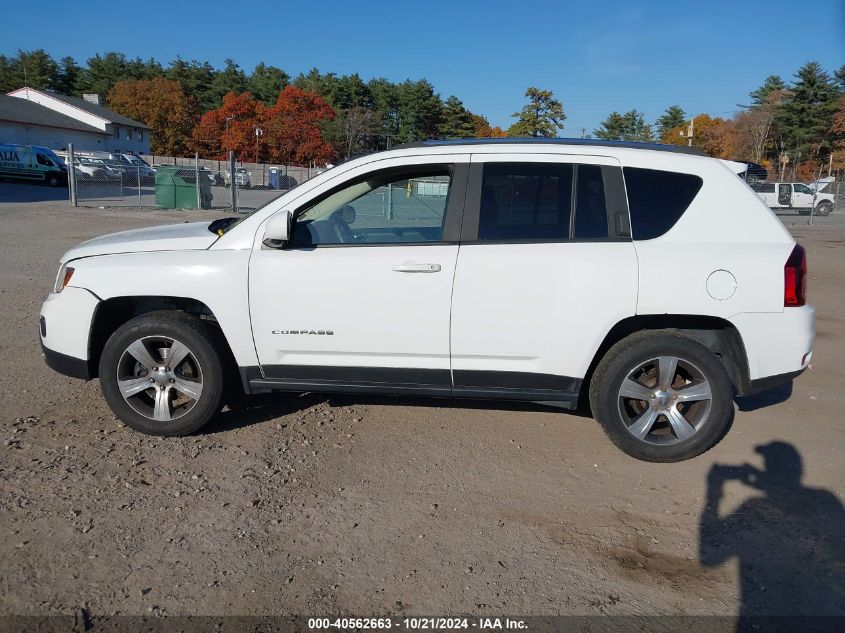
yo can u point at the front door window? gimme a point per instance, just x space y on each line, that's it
386 208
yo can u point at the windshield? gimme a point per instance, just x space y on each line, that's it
220 228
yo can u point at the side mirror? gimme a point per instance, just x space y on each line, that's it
277 229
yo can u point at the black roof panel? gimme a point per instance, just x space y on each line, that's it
582 142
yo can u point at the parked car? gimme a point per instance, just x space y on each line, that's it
148 173
87 168
242 178
130 170
32 163
795 196
109 170
646 280
755 173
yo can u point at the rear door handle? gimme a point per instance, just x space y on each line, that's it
416 268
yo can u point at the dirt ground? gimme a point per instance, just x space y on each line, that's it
360 505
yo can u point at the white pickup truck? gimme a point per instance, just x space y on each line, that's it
796 196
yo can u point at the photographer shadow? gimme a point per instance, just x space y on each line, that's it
789 541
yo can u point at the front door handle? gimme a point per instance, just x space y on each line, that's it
416 268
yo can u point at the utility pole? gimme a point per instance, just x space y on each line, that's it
258 133
71 176
226 134
689 132
233 178
197 179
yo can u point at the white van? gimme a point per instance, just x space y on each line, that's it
31 162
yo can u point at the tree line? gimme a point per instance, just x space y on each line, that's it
315 117
191 104
795 129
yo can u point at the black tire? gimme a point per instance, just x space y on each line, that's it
53 180
824 208
203 344
637 350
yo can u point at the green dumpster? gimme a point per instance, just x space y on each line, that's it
176 187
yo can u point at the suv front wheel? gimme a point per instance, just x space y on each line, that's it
161 373
662 397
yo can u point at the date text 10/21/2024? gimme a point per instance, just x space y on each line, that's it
418 623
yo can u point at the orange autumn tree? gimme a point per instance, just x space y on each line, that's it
714 136
837 131
483 129
293 128
290 130
163 105
231 127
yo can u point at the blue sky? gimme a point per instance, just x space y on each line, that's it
597 56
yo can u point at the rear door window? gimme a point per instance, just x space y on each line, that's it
590 204
549 202
525 201
657 199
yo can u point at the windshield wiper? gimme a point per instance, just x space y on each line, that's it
218 227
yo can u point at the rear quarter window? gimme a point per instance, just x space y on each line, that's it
657 199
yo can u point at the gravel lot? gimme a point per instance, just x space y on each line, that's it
352 505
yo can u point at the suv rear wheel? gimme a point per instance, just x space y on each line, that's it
662 397
161 373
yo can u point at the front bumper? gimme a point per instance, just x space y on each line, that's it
65 322
67 365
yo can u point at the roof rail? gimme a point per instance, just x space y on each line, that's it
582 142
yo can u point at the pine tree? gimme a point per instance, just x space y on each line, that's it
541 116
630 126
231 79
772 84
672 118
807 113
457 121
267 82
68 76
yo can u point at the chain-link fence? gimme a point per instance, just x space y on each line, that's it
101 179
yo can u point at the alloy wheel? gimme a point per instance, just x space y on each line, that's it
160 378
665 400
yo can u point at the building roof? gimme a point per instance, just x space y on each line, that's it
30 113
98 110
589 142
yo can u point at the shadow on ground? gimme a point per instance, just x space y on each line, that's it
31 192
787 538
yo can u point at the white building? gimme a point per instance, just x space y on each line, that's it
27 123
120 133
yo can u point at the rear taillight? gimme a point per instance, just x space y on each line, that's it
795 278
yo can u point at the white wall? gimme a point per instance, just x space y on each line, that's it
128 140
53 138
124 143
60 106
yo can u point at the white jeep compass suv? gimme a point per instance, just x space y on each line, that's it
648 281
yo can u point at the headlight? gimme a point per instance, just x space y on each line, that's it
63 278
